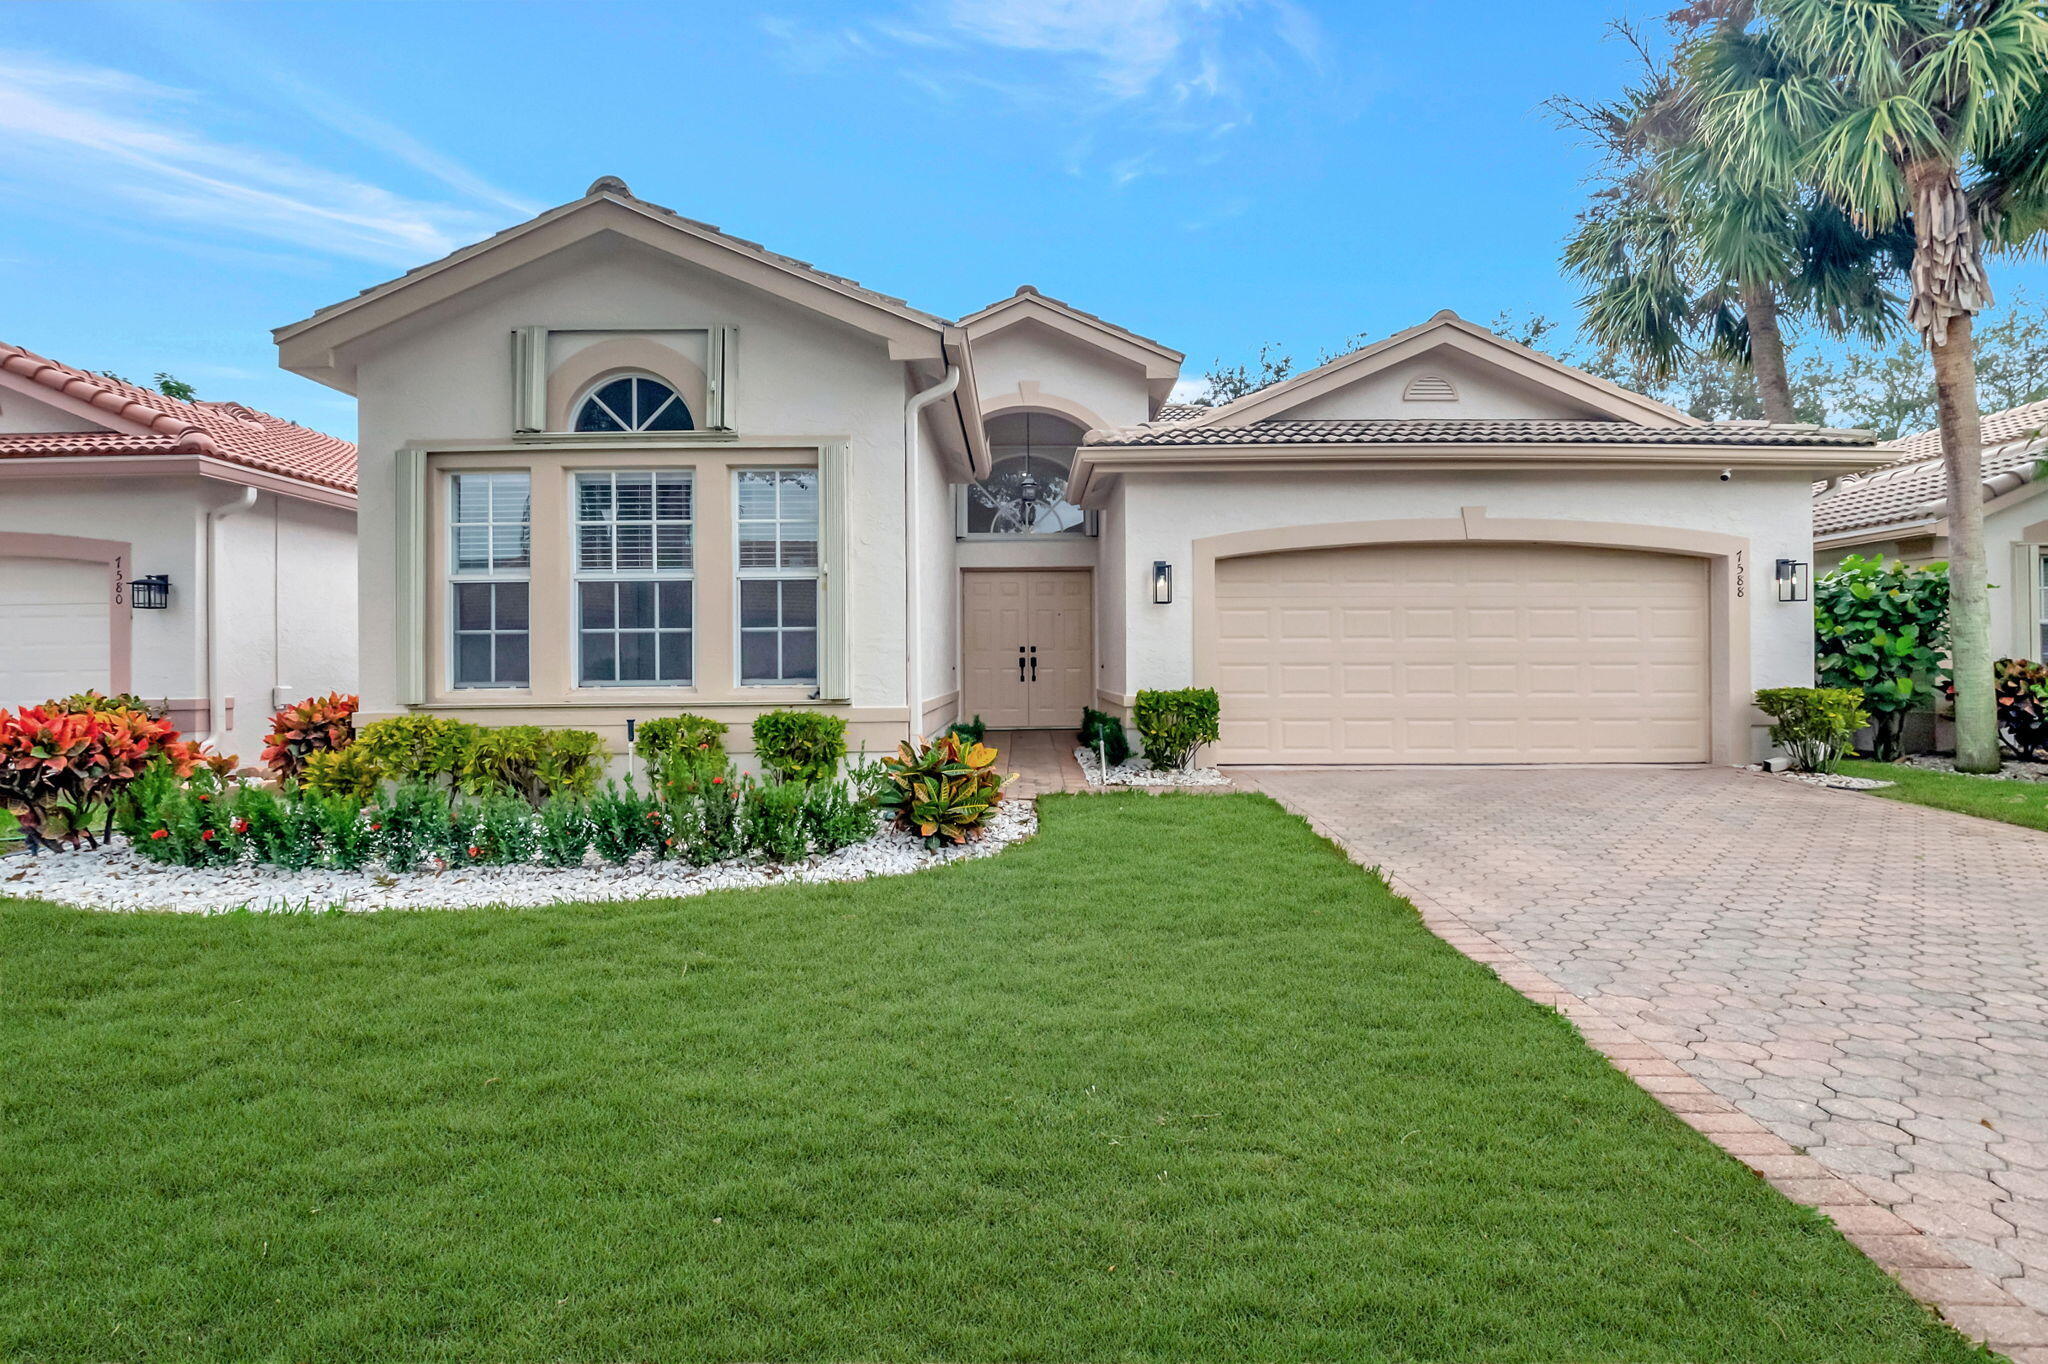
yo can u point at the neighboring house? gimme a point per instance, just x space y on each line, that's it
114 496
1901 512
619 463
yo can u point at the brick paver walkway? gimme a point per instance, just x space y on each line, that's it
1866 979
1043 760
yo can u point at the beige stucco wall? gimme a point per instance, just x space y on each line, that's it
1075 375
1484 391
1163 514
286 575
443 379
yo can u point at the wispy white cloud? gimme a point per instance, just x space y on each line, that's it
138 151
1165 70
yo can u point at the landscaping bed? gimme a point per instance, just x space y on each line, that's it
1172 1080
116 878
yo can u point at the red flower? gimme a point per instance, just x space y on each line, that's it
654 814
204 798
718 781
668 842
241 826
376 828
206 835
476 852
161 833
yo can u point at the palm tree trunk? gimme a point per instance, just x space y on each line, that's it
1949 289
1969 593
1767 352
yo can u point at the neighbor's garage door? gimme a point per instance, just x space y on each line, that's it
1462 653
53 629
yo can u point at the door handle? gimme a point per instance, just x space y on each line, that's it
1020 663
1034 663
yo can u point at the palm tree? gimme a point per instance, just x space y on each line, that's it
1882 106
1681 254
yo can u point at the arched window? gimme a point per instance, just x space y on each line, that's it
633 402
1026 491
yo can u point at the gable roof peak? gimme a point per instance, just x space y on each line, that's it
1445 315
608 184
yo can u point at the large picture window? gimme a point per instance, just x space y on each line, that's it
777 523
490 537
635 605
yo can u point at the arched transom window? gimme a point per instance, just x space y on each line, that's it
1026 491
633 402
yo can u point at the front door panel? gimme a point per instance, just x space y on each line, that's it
1028 647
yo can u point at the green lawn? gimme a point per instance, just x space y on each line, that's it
2014 802
1174 1081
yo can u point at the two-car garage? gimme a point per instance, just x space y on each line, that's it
1462 652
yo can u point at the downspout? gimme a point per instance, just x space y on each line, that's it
216 704
912 598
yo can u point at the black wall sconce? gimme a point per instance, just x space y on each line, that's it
152 593
1795 580
1162 582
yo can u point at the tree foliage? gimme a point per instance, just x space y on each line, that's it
1882 629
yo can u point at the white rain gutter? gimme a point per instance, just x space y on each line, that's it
217 704
913 603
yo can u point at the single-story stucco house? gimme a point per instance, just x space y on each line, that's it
1901 512
618 463
197 553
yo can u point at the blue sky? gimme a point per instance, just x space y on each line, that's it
176 179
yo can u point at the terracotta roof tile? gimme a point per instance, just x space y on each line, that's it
1917 490
1403 431
225 431
2000 428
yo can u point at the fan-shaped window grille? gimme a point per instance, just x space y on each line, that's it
637 402
1429 388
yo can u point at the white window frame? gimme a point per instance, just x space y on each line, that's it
579 575
2040 639
459 576
743 575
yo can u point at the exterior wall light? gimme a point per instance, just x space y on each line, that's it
152 593
1162 582
1795 580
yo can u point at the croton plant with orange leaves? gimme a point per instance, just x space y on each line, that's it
318 724
59 762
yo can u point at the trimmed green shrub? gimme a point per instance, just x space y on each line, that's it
531 763
973 731
772 821
944 792
423 748
838 816
350 773
1175 724
342 836
800 745
412 824
564 832
624 822
1882 630
1814 725
1103 734
705 816
692 737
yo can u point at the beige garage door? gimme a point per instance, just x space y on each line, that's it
1463 653
53 629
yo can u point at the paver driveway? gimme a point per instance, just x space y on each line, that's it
1867 979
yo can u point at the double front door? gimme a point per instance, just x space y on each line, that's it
1028 646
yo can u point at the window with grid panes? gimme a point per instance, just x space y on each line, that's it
776 520
490 538
635 606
